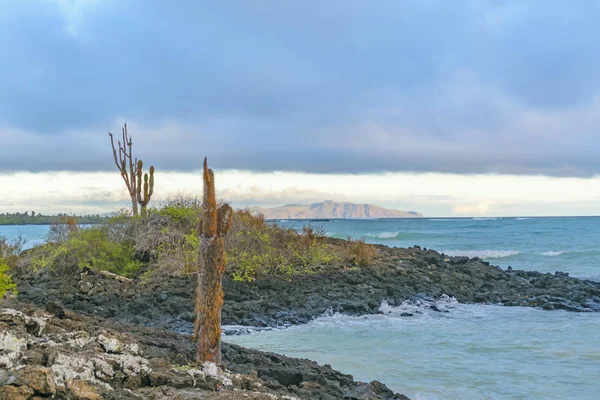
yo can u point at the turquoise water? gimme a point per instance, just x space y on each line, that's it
473 351
541 244
33 234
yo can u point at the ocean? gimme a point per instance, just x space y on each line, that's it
473 351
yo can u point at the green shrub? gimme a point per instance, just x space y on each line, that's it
9 257
6 283
316 254
87 247
257 248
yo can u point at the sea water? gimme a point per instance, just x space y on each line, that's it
31 234
472 351
568 244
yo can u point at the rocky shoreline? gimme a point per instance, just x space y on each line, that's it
75 318
398 275
57 353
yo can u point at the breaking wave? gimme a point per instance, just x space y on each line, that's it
401 235
419 305
553 253
482 253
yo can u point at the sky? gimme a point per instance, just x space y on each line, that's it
448 108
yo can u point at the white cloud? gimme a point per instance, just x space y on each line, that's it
433 194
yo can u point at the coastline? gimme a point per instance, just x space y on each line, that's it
397 275
164 308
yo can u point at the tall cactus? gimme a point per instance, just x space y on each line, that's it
211 255
144 197
131 172
126 164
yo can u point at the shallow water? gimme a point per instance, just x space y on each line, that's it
471 352
33 234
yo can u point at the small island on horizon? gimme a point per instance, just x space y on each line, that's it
329 209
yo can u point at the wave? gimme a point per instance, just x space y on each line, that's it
485 218
419 305
553 253
401 235
236 330
482 253
522 218
384 235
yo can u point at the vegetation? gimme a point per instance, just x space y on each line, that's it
9 257
33 218
131 172
166 242
361 253
6 283
70 248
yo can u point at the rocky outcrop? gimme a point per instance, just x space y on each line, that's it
396 276
332 209
60 354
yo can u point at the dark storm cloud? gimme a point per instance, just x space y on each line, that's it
346 86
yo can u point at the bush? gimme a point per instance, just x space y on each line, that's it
256 248
361 253
10 251
6 283
87 247
167 239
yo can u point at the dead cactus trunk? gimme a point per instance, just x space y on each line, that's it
209 293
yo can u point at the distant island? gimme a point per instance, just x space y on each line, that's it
33 218
332 209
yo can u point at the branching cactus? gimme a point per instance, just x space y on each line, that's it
216 222
143 197
126 164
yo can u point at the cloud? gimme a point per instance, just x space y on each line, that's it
339 87
433 194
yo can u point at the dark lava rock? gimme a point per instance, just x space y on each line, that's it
276 301
91 358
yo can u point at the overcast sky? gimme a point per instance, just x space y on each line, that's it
479 93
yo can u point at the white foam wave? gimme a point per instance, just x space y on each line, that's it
419 305
485 218
554 253
383 235
522 218
234 330
482 253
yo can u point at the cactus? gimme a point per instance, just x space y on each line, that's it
211 257
131 172
148 187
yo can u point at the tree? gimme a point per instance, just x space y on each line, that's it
131 171
211 257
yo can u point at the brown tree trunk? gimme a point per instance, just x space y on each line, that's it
211 256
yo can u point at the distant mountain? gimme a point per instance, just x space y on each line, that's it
331 209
